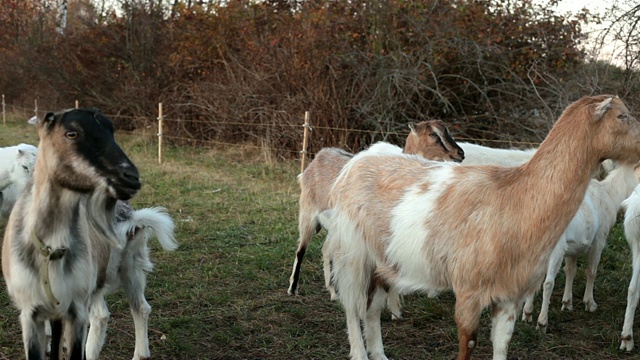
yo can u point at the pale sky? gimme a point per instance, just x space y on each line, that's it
595 7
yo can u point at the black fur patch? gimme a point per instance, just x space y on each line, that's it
75 353
33 352
95 145
78 247
296 273
56 339
39 314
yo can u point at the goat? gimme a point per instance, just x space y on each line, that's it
483 155
134 228
430 139
485 232
60 235
586 234
16 165
632 233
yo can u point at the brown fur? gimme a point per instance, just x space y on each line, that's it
430 139
423 140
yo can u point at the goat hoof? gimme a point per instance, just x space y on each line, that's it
542 328
527 317
396 317
626 343
567 306
590 306
378 357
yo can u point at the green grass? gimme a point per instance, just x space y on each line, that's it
222 293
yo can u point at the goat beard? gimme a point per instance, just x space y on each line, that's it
101 215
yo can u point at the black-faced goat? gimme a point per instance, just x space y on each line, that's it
60 235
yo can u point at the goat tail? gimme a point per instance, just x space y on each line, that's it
153 221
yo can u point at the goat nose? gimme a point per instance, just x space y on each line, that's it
131 174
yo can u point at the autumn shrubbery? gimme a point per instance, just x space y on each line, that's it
246 71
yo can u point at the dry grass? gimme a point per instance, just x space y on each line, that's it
222 294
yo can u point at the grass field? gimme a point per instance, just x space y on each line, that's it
222 293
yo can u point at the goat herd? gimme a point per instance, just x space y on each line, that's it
491 225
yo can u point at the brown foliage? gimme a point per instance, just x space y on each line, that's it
246 71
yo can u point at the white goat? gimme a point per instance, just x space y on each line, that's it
127 270
586 234
632 233
483 155
60 235
485 232
16 167
429 139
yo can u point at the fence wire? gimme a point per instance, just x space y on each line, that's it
215 143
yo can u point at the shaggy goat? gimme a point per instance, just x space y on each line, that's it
16 167
632 233
586 234
485 232
60 235
127 270
430 139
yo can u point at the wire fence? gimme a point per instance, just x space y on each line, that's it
305 128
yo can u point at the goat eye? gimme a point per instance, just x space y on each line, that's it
71 135
623 116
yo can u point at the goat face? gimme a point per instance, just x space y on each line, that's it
82 154
621 141
432 140
25 161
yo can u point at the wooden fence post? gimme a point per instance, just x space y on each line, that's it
77 104
4 114
304 141
160 133
35 111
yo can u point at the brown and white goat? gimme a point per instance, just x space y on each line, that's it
429 139
61 232
485 232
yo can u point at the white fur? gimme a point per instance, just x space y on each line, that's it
586 234
16 168
407 222
478 155
60 237
127 270
483 155
632 233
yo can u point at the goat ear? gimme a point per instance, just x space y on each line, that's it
48 119
34 121
412 127
601 108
